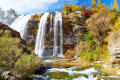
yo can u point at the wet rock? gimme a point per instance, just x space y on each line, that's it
94 75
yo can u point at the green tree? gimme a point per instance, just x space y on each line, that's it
99 4
93 4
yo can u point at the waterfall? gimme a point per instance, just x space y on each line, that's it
58 35
51 22
20 25
39 46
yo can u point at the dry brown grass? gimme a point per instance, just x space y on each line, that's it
109 70
69 63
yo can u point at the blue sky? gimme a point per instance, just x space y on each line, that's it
38 6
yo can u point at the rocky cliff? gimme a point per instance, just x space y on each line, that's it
13 32
114 47
72 32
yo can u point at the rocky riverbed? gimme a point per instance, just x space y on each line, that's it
70 69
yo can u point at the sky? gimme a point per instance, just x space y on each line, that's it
39 6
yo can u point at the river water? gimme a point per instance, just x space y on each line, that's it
72 73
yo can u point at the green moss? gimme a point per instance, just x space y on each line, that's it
63 75
80 68
57 75
97 66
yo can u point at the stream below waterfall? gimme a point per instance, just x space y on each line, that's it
72 73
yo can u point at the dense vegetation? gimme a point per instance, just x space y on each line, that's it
16 57
100 21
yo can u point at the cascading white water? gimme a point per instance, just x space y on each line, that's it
21 25
51 23
58 48
39 46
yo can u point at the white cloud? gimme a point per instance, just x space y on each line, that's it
22 6
34 6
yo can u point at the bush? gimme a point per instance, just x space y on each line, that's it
91 55
88 49
9 51
27 65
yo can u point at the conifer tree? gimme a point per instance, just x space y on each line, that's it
99 4
116 5
93 4
111 5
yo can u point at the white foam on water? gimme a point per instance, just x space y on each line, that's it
71 72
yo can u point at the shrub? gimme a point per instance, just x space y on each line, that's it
9 51
91 55
12 57
27 65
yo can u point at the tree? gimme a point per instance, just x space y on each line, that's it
75 7
93 4
116 6
67 8
111 5
99 4
100 24
112 8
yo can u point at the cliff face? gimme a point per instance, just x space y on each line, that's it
114 47
13 32
72 32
